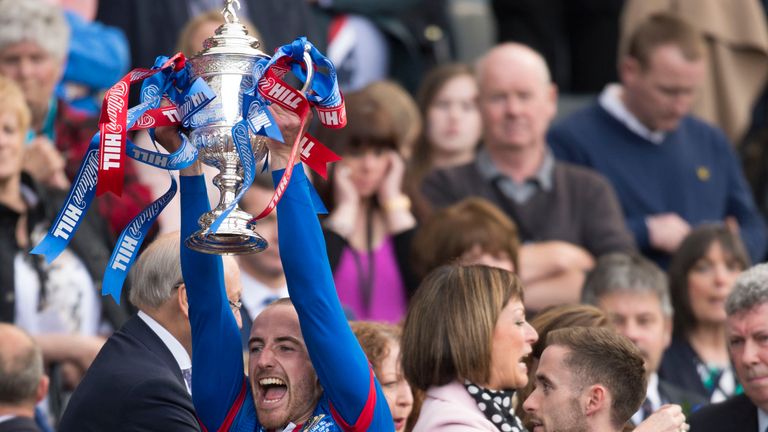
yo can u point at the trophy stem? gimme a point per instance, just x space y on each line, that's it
237 234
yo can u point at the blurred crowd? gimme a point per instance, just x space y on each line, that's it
609 156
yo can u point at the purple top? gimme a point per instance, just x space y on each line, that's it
387 291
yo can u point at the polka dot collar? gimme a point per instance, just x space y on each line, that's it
496 405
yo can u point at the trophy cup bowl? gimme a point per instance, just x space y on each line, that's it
226 64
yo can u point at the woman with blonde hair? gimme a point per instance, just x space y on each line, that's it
58 303
381 344
203 26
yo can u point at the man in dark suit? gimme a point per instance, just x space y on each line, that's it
747 333
141 379
634 294
22 381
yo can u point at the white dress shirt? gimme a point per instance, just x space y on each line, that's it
255 293
653 395
610 100
174 346
762 420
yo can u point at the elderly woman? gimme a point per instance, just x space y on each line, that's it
464 343
58 303
701 276
34 38
381 344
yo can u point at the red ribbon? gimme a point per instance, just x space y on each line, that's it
316 155
112 127
273 88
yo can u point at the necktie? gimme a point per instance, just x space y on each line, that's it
647 408
269 300
187 374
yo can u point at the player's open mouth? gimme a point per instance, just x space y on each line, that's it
272 390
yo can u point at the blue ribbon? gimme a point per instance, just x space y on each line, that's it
75 206
129 243
324 90
180 159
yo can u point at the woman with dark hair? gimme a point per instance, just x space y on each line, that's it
381 344
447 100
464 342
370 225
701 276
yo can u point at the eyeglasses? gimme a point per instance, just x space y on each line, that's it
235 305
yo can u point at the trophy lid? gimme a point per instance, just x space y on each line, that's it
231 37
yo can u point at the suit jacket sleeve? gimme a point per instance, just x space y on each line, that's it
150 410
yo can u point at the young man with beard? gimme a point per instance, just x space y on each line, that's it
588 379
307 371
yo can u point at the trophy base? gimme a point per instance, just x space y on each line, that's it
236 235
224 243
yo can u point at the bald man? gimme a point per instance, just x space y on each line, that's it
22 381
566 215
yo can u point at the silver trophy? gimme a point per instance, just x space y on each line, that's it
226 64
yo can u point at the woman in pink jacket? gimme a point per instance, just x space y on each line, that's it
464 343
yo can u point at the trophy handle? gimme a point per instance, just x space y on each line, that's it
310 69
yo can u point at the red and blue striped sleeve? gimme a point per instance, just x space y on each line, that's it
344 372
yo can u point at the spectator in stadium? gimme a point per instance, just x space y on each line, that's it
471 364
381 344
701 276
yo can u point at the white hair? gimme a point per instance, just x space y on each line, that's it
749 291
34 21
157 272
